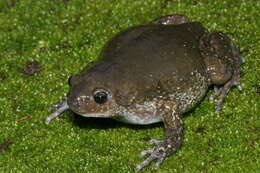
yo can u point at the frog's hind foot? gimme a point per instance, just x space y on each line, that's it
173 19
156 153
159 152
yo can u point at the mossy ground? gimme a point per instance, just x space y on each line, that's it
66 35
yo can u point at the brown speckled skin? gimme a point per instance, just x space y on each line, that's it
155 73
145 60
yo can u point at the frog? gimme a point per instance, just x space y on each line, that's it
153 73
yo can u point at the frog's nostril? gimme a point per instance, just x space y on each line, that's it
80 100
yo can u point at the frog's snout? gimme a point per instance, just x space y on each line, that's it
77 101
81 101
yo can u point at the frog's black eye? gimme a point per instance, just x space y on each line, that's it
100 96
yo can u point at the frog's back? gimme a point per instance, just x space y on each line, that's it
157 51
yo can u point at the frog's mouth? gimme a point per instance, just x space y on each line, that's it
95 115
63 106
90 112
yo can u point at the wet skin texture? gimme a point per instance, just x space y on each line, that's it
155 72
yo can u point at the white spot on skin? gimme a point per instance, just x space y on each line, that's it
187 99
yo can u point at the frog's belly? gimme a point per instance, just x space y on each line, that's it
139 114
148 112
138 120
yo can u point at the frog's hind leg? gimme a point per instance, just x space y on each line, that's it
172 142
223 64
173 19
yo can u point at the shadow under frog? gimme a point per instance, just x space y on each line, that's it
155 73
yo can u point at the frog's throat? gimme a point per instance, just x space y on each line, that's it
95 115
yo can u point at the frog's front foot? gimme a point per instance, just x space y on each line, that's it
159 153
222 91
60 107
57 105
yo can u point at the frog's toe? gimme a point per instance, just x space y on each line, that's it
146 152
239 87
155 154
158 153
53 107
217 91
235 82
222 95
242 59
155 142
56 106
212 98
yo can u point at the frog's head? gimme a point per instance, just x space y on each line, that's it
91 96
96 94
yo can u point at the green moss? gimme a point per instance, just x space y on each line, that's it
64 36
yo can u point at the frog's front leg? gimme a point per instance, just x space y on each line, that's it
57 105
60 107
173 140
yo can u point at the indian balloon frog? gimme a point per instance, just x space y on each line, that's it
152 73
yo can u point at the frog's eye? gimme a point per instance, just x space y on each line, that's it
100 96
